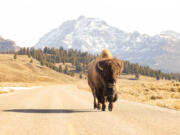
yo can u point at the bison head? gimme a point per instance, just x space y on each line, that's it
109 69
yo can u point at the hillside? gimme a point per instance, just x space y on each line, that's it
92 35
7 45
20 72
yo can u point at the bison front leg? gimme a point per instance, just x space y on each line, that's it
110 106
110 100
95 104
98 105
103 104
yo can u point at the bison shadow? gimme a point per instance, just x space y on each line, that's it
50 110
132 79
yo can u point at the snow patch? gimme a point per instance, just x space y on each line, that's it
18 88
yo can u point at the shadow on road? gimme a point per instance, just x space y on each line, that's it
50 110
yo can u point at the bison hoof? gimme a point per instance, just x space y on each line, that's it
95 106
110 107
103 108
98 107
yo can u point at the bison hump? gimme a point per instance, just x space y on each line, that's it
106 54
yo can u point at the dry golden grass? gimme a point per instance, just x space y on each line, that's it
146 90
69 65
3 92
20 72
163 93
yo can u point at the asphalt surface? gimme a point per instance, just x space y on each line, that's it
66 110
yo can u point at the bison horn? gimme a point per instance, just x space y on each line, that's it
99 67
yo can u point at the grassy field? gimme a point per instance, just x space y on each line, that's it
146 90
21 73
163 93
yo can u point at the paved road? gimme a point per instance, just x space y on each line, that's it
65 110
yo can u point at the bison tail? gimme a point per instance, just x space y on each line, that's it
115 98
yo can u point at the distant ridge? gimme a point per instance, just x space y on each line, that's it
7 45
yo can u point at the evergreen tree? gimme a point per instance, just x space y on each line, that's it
66 69
31 61
60 68
137 76
80 75
45 50
42 63
71 74
78 67
28 53
157 77
15 56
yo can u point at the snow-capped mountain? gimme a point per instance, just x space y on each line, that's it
89 34
7 45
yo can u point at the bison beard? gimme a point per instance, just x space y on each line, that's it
102 76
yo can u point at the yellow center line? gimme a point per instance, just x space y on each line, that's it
71 129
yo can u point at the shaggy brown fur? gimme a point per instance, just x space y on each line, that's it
102 76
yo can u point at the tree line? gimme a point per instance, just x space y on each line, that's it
51 56
136 69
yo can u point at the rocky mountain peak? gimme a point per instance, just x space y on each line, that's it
93 35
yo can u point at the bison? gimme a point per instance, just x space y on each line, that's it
102 76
